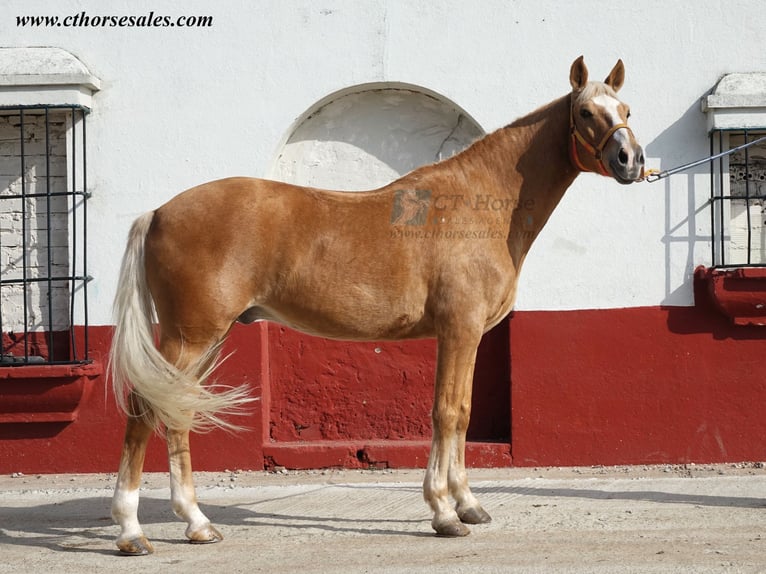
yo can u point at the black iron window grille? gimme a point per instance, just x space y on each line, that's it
43 235
738 198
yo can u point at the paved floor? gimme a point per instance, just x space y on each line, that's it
627 519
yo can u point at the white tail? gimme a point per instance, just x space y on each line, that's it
162 393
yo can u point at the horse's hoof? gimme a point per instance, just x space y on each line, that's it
139 546
451 529
474 515
205 535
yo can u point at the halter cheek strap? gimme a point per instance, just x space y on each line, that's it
595 151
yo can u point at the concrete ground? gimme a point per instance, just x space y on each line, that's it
703 518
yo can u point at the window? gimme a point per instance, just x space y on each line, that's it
45 96
737 117
736 280
738 214
43 270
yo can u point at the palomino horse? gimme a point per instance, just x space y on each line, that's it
416 258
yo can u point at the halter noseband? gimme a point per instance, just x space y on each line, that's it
595 151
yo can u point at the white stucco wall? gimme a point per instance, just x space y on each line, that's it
180 106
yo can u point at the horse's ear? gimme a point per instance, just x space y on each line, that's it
616 77
578 74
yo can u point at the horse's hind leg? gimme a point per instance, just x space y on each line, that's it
184 353
131 539
182 491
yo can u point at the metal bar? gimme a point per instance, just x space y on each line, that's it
43 279
730 197
722 222
712 201
73 265
24 289
85 197
21 365
747 202
52 194
48 234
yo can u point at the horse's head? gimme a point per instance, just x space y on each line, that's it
601 140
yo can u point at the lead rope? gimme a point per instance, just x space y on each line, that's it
652 175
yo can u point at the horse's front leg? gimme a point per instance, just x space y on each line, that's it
182 492
446 474
131 539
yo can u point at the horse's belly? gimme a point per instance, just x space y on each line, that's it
352 322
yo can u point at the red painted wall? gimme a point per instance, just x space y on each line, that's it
92 442
331 390
636 386
620 386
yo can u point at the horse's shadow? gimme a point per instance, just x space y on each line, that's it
54 525
248 514
84 524
51 525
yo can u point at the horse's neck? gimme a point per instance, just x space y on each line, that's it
526 163
530 164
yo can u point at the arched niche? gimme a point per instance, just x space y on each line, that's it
366 136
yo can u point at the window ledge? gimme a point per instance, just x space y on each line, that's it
44 76
739 293
737 102
45 393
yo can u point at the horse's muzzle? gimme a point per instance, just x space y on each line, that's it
627 165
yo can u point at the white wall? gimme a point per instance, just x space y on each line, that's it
181 106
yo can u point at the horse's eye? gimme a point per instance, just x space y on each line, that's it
627 115
585 114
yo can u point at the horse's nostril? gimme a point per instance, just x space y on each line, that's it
641 159
622 157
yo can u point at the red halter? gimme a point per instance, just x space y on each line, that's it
595 151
